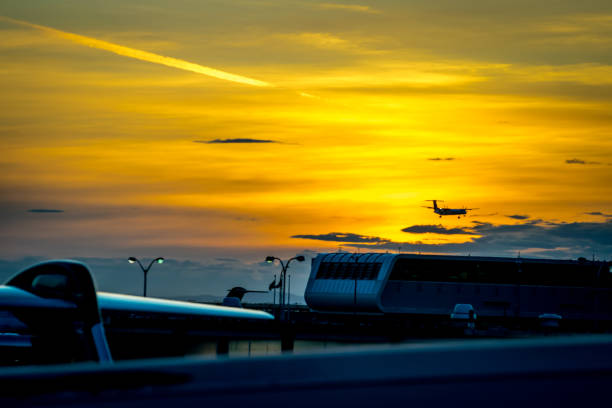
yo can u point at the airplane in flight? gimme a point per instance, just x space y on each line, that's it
448 211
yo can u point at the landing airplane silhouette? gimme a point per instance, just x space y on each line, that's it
449 211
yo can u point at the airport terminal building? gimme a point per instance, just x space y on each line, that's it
386 283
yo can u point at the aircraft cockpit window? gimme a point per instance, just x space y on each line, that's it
51 286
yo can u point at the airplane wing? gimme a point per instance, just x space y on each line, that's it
12 297
52 312
127 303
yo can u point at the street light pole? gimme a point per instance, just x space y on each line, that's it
284 266
132 260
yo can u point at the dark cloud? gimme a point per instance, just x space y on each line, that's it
599 214
44 210
436 229
483 228
441 158
249 219
599 234
576 239
342 237
518 217
578 161
533 238
235 141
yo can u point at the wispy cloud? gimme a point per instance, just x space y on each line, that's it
141 55
235 141
357 8
441 158
44 210
577 29
579 161
584 73
307 95
319 40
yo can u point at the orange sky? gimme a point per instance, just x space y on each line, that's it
107 112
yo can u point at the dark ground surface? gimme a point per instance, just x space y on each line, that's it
134 336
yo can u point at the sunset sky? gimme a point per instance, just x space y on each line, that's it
217 132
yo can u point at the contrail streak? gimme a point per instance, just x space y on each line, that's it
142 55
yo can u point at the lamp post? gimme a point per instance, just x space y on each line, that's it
284 266
132 260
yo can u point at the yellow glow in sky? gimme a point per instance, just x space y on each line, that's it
501 107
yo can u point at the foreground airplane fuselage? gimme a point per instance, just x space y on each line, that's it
51 313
